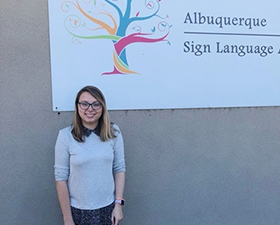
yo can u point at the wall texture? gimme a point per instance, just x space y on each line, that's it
188 166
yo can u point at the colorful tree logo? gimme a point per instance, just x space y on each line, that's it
118 21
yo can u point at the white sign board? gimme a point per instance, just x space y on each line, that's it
163 54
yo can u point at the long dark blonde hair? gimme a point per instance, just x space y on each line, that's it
106 129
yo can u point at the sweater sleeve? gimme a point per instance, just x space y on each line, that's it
62 157
119 159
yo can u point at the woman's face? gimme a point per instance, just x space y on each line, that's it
90 116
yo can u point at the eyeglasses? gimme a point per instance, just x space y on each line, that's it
86 105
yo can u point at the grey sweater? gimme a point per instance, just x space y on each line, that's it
89 167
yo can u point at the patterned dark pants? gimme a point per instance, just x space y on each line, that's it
100 216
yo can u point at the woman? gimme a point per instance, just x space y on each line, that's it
90 164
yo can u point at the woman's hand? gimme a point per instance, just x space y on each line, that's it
64 200
69 222
117 214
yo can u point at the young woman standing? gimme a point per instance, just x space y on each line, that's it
90 164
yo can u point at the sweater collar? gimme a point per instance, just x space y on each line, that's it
87 131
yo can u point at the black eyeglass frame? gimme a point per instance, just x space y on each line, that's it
96 107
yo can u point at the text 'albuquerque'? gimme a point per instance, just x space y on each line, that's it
198 18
